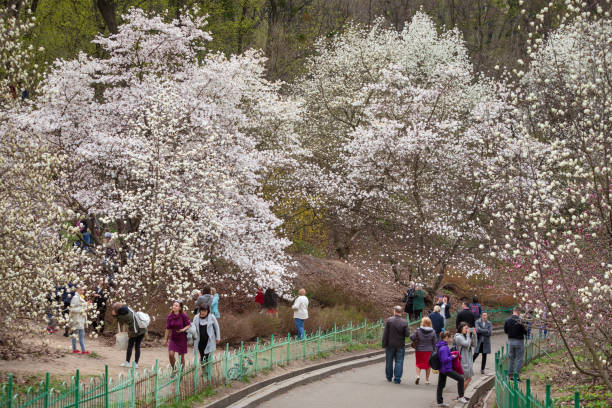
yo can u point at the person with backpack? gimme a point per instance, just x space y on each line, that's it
394 342
443 360
136 333
424 343
465 341
476 308
484 330
206 333
465 315
177 323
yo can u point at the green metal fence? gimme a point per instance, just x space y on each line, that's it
509 393
159 386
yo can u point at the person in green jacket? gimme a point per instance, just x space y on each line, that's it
418 302
136 334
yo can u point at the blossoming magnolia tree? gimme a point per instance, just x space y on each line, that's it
405 141
161 141
559 213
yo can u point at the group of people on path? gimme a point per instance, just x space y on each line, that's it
454 353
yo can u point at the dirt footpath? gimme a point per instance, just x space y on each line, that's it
61 363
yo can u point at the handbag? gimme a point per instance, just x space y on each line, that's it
121 339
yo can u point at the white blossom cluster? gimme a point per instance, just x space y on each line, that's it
162 142
557 214
402 137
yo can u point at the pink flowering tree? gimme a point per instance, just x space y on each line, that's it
558 209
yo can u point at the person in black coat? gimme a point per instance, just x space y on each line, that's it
465 315
409 299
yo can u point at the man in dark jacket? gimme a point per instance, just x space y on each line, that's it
465 315
394 343
516 330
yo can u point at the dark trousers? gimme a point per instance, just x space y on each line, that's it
201 348
442 383
483 363
394 372
134 342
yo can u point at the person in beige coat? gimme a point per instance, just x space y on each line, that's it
78 320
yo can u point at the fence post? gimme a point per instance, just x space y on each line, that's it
195 373
257 355
304 347
528 392
319 342
10 391
271 350
288 347
351 332
576 399
133 386
225 361
548 399
178 380
106 386
209 365
76 390
47 390
335 332
155 383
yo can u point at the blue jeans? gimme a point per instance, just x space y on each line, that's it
396 354
299 324
81 339
516 352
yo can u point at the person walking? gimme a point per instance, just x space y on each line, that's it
214 305
437 321
394 343
125 315
446 370
300 312
409 300
78 320
424 338
484 331
465 315
177 323
418 303
465 341
206 333
516 331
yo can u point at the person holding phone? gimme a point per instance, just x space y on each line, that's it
465 341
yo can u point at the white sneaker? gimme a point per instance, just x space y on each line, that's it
135 365
125 364
462 400
443 405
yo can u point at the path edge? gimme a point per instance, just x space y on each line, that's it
360 360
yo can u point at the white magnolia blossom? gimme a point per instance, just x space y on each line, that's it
162 143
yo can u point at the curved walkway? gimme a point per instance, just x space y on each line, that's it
367 387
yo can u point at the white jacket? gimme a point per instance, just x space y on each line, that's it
300 307
78 312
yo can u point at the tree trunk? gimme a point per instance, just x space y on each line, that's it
107 9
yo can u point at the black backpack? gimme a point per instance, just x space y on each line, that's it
434 360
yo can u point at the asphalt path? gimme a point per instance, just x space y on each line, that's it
367 387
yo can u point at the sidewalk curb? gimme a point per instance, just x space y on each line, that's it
326 369
481 390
